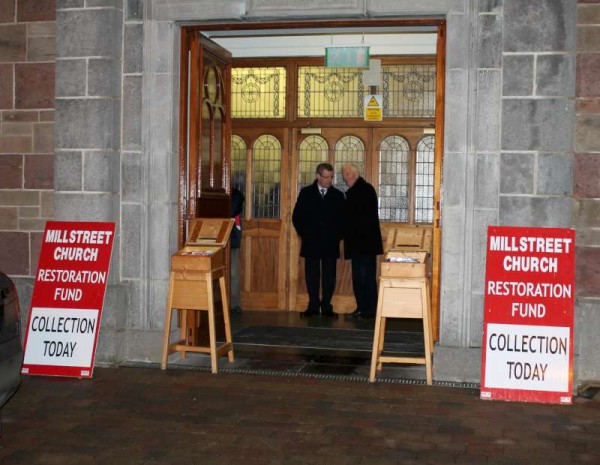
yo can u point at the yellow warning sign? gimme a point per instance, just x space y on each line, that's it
373 108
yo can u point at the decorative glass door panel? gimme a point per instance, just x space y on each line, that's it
205 130
259 159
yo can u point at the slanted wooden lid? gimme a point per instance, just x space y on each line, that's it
206 231
410 239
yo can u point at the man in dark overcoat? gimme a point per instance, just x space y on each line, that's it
317 218
237 207
362 239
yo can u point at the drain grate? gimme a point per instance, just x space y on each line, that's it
288 374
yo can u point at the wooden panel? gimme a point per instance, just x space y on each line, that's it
265 257
210 230
403 270
193 258
260 300
402 302
264 228
409 238
190 294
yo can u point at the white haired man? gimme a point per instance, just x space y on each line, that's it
362 239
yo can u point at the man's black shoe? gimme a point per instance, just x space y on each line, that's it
310 312
328 313
352 316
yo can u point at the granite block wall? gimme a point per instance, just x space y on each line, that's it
27 56
88 138
522 95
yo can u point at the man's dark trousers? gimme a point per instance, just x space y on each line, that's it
320 272
364 283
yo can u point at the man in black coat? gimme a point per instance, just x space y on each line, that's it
362 239
317 218
237 207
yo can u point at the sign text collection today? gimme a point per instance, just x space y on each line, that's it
68 296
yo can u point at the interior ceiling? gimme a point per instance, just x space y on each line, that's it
312 42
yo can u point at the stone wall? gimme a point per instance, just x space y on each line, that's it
27 54
514 117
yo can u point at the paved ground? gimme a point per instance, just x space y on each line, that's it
148 416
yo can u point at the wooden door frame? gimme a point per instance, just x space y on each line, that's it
437 195
193 48
438 22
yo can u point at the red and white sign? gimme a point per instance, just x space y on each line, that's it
68 295
528 315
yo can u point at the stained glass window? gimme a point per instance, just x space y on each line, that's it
238 163
258 92
266 177
349 149
424 180
394 183
312 151
408 91
330 93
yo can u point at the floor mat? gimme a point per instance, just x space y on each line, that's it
329 338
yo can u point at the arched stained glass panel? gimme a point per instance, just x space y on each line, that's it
266 177
312 151
349 149
394 184
238 163
424 180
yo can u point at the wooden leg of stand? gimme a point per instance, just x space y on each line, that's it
427 332
429 319
167 331
212 334
375 353
376 335
165 352
225 301
185 337
381 339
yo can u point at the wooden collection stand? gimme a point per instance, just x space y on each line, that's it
402 298
404 293
195 270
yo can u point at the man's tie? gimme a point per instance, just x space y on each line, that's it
323 192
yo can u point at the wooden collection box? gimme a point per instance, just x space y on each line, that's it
207 231
198 258
410 239
197 281
404 293
408 248
398 264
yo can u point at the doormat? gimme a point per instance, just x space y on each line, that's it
360 340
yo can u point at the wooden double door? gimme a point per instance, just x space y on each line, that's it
272 270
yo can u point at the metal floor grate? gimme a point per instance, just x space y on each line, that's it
287 374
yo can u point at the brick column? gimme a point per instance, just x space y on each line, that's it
586 188
27 29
